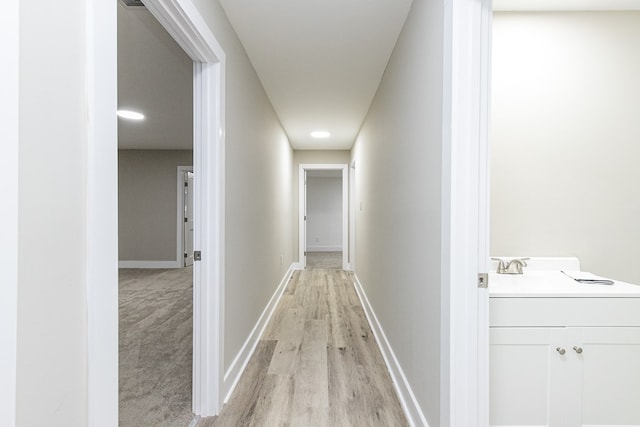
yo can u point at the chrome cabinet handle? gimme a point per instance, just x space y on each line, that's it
577 349
560 350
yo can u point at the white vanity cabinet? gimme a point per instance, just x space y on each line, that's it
565 359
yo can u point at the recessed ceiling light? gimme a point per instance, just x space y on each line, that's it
131 115
320 134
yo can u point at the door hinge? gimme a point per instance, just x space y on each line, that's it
305 253
186 220
197 256
186 184
185 255
483 280
305 217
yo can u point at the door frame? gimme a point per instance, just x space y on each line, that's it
9 105
465 214
185 24
302 197
180 213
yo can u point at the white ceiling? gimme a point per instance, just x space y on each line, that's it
155 77
320 61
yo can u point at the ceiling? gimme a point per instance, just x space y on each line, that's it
320 62
155 77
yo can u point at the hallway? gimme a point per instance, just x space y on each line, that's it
317 363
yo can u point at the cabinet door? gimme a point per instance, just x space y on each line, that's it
528 377
610 360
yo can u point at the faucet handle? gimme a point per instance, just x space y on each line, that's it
515 265
501 265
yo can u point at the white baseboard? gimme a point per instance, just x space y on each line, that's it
311 248
297 266
407 399
148 264
232 376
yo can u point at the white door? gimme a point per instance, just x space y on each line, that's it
610 374
304 226
529 372
188 219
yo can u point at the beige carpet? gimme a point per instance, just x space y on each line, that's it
326 260
155 347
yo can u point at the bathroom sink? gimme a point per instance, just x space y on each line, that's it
549 283
543 278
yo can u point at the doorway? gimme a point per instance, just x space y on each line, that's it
323 213
187 27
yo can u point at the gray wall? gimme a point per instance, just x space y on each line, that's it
52 318
147 203
564 154
324 214
329 157
258 190
398 157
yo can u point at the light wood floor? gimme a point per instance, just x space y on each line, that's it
316 365
328 260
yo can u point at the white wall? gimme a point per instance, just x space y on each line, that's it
324 214
147 203
566 102
398 157
52 309
258 190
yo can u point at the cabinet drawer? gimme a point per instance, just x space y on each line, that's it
513 312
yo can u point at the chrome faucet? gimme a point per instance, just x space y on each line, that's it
512 267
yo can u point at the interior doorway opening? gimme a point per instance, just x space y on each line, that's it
324 214
186 26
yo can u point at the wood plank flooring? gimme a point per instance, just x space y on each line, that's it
317 363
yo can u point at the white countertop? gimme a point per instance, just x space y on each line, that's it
554 284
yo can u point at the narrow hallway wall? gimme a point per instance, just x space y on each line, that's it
398 166
258 190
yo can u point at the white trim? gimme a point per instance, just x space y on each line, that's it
148 264
180 213
102 214
301 210
464 239
484 173
408 400
9 123
237 367
183 21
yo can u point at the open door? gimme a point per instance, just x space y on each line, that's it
187 234
303 249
